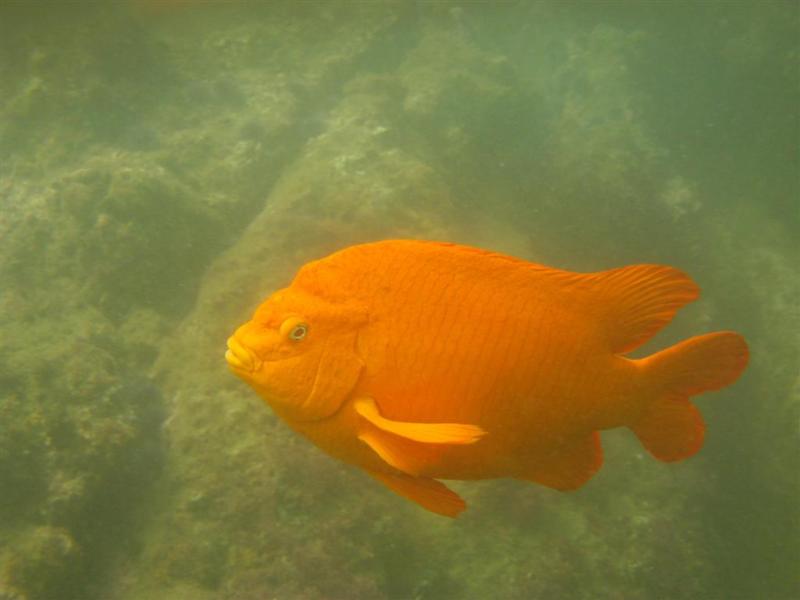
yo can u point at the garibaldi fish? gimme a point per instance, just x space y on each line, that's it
419 361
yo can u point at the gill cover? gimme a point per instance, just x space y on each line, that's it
337 375
334 319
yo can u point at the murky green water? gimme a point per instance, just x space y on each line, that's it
165 165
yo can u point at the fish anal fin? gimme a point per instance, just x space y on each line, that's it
633 303
430 433
403 454
429 493
671 428
571 465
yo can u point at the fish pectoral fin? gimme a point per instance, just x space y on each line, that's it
570 466
430 433
429 493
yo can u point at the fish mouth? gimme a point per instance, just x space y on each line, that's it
241 358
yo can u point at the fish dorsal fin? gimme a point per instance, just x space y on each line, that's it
429 493
632 303
429 433
570 466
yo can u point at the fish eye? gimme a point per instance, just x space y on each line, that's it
298 332
294 328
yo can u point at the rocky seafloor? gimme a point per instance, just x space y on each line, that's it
163 166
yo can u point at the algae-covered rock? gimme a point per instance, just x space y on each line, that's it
360 179
80 447
38 563
351 185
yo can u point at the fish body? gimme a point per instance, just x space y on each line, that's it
419 361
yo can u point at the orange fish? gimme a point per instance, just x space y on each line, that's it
420 361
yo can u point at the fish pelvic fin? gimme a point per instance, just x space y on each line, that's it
401 453
670 427
570 465
429 433
429 493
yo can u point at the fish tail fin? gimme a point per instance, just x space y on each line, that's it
670 427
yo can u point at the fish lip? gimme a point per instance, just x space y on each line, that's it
240 358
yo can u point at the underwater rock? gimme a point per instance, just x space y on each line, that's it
352 183
93 470
38 563
79 447
362 178
163 175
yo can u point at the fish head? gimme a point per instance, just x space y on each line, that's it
299 353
